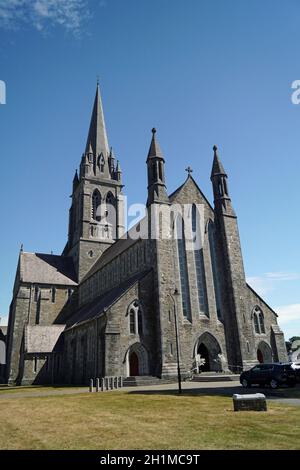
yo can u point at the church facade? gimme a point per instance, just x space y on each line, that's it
119 303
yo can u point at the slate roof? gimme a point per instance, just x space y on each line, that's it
47 269
114 250
42 339
260 298
103 302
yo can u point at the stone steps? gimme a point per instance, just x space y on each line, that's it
143 380
215 377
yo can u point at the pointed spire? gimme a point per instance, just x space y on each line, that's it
111 154
157 192
111 160
154 150
75 180
217 168
97 141
90 150
118 168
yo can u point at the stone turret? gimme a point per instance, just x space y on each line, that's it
157 192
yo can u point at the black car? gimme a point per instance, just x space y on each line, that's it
274 374
296 368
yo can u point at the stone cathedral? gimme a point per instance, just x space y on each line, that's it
116 305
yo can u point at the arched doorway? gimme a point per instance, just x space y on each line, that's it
208 351
260 356
133 364
264 352
204 354
136 361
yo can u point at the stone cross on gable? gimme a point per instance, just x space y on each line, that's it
189 170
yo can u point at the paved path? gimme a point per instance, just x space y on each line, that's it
221 388
226 389
288 401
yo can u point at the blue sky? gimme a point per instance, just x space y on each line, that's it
203 72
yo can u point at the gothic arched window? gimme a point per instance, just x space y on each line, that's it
258 320
132 322
154 171
261 322
256 323
96 203
199 262
101 163
110 199
225 187
220 189
183 270
110 212
135 313
214 266
160 172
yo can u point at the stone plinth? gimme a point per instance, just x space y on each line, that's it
249 402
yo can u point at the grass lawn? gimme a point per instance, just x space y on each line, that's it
36 388
120 420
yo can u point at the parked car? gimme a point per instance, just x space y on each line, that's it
275 375
296 368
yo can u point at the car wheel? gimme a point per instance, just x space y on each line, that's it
245 383
274 384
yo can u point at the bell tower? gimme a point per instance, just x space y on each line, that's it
96 217
238 328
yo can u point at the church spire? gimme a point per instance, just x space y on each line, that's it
97 137
217 168
154 150
220 186
75 181
157 192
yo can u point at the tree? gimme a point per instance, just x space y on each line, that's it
294 338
